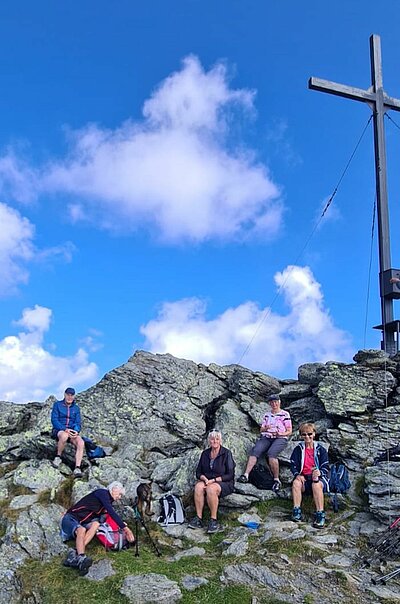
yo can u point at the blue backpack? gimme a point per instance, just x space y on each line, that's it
93 451
339 482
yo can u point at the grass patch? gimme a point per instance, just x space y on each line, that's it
64 492
359 488
264 507
7 467
53 581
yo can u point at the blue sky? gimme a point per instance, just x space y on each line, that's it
162 165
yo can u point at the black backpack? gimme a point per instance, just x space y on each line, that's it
261 477
339 482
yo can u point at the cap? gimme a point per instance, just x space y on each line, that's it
69 391
273 397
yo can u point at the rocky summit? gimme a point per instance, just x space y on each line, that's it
152 415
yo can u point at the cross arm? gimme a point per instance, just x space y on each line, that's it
357 94
349 92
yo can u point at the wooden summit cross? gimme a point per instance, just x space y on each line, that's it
379 102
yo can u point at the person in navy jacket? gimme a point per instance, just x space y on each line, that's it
66 422
310 467
215 475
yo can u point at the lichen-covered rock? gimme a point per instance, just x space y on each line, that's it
38 531
252 575
11 558
37 475
150 589
383 490
348 390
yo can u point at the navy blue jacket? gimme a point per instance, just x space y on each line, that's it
224 466
65 416
92 506
320 458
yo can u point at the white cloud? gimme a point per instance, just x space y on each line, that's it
278 343
17 250
177 171
30 372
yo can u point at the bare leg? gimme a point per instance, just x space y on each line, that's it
213 490
250 464
80 539
199 492
62 441
297 492
79 444
274 465
90 532
318 496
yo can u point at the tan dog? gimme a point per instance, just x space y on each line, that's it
143 493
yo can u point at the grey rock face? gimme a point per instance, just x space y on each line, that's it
37 475
190 583
150 589
253 575
100 570
38 531
347 390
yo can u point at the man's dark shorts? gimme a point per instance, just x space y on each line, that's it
270 446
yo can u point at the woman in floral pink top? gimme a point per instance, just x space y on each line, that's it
275 429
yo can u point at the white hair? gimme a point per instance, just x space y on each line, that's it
214 434
117 486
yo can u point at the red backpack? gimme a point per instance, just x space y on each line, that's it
111 536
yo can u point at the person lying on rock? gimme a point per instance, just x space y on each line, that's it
66 422
215 475
82 520
310 467
275 429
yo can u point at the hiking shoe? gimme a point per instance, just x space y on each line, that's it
84 563
296 514
195 523
72 559
243 478
57 461
319 519
276 485
77 472
213 527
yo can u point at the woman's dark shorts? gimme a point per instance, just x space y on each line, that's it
308 485
271 446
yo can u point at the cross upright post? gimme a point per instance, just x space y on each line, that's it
379 102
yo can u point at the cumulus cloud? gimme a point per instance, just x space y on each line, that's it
178 171
276 344
30 372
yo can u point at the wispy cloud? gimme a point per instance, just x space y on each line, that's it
177 172
278 343
28 371
18 251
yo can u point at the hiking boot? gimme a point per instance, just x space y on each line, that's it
319 519
276 485
57 461
243 478
77 472
195 523
213 527
72 559
296 514
84 563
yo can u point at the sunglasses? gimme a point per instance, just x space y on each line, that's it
307 434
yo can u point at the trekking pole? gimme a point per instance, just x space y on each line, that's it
138 518
387 577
